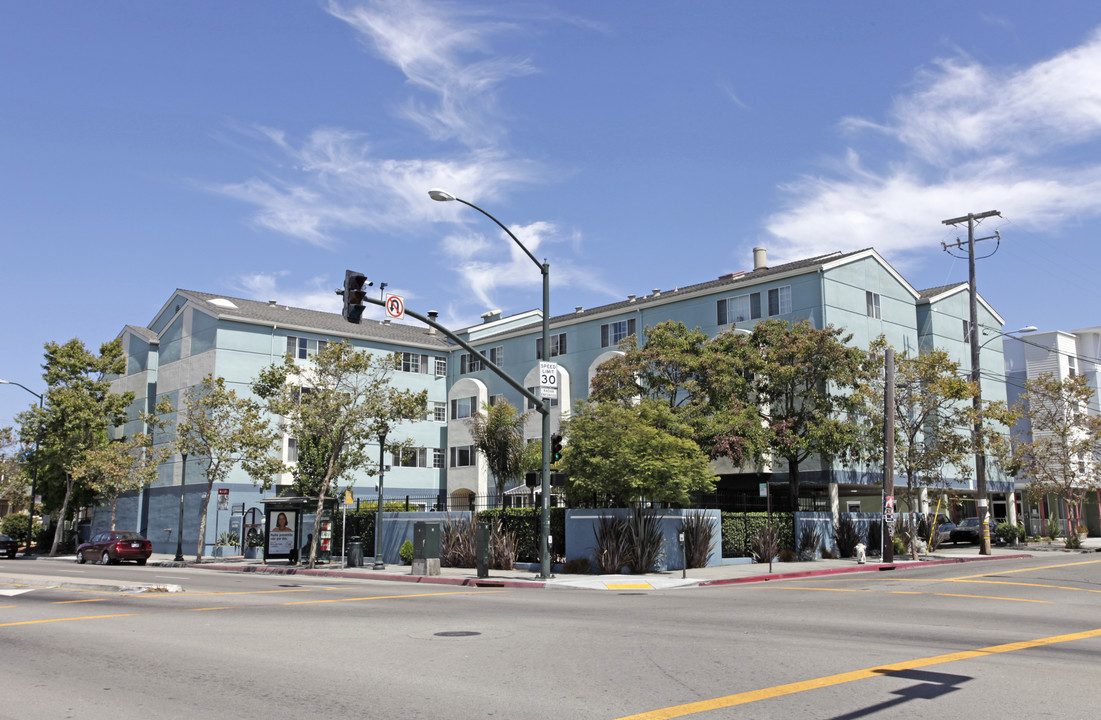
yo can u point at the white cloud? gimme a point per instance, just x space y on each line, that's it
969 138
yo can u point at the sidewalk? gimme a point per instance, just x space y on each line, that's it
528 576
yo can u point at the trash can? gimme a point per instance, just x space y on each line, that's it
355 552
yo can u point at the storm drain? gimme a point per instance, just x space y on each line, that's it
457 633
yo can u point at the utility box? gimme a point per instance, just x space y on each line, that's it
481 549
426 548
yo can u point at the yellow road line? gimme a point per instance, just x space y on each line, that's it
1028 569
394 597
53 620
70 602
909 592
829 680
992 597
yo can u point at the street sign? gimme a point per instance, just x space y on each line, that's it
348 500
548 380
764 489
238 508
395 306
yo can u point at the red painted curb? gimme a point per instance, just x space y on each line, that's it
861 568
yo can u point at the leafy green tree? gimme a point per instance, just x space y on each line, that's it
313 462
225 430
698 378
932 414
127 464
344 401
627 452
1063 458
803 382
498 434
78 408
14 483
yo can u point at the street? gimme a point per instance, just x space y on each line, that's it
1012 637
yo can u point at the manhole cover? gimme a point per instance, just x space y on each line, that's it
456 633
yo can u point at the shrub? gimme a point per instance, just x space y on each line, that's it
228 539
1072 542
406 552
739 528
1052 527
1009 532
612 544
766 543
787 555
646 541
847 536
899 545
457 542
810 538
578 566
524 524
502 547
15 525
699 535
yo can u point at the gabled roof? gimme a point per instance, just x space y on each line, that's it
143 332
943 291
314 321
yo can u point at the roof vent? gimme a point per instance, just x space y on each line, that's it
492 315
271 303
657 291
630 298
579 308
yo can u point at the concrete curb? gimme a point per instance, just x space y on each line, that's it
420 579
879 567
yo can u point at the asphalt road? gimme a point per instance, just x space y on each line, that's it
1018 638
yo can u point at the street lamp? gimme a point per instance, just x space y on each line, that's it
980 452
179 529
544 268
34 475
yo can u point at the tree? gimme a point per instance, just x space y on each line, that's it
802 381
14 486
127 464
77 410
498 434
343 400
226 430
627 453
313 462
698 378
1063 458
932 412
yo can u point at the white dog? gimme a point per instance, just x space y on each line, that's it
861 553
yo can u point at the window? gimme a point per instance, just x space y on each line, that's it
469 363
557 343
496 355
414 363
967 332
441 367
437 457
738 309
411 457
779 301
462 456
612 333
1072 365
532 406
494 399
302 348
872 301
292 449
439 412
463 407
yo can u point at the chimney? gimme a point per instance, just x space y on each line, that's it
490 316
432 315
271 303
760 259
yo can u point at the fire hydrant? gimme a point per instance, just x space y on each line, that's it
861 553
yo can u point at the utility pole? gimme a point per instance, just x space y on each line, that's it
973 338
888 524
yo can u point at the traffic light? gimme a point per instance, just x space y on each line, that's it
556 448
355 289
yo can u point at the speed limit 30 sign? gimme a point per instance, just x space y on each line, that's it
548 380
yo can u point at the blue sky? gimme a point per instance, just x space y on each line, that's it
257 149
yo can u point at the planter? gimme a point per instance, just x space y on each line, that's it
256 553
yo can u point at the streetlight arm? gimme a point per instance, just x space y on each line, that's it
502 226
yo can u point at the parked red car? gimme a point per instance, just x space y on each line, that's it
114 545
